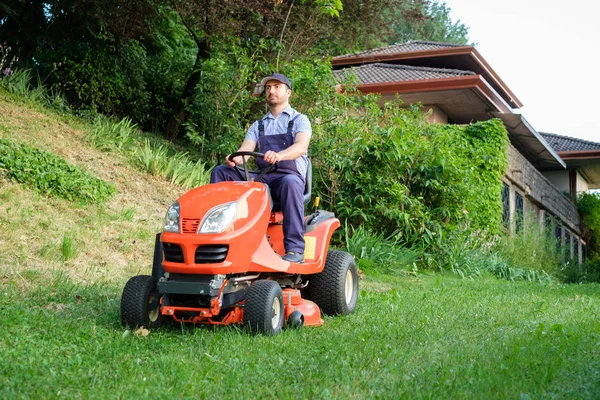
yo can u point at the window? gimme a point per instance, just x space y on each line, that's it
558 233
575 249
519 211
506 206
567 247
547 223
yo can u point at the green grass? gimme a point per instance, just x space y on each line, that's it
63 267
425 337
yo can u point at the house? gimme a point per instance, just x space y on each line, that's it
456 85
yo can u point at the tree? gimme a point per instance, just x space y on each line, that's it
424 20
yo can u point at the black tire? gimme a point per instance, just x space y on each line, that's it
138 296
335 289
263 308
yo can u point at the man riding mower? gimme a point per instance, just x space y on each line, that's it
219 262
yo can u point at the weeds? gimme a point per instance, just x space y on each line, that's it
68 248
106 134
51 175
177 168
375 251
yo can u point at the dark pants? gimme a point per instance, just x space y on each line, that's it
286 188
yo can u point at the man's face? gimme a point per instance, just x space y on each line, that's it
277 93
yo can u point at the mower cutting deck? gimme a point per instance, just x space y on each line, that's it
219 261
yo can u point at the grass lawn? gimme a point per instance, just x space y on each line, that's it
63 267
419 337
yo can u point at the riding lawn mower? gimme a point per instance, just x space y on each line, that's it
219 262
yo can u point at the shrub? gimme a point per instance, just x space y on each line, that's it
51 175
588 205
386 167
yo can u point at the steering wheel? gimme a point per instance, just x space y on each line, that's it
246 168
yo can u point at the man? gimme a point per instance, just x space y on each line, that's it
283 135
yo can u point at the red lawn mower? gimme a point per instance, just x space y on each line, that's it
218 262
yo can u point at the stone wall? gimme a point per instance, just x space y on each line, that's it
528 181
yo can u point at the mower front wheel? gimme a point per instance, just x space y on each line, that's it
335 289
263 308
140 304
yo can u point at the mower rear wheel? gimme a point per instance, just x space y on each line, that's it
335 289
263 308
139 303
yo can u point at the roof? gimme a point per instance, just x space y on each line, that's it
431 55
529 142
580 154
380 73
408 47
566 143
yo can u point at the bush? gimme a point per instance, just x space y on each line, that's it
387 168
51 175
588 205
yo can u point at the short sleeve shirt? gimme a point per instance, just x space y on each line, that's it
279 125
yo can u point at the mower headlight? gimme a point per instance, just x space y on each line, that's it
218 218
172 218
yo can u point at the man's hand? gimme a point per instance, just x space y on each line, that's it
236 161
272 157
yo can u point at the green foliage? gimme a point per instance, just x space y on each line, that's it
51 175
527 256
331 7
19 82
108 134
68 248
378 253
158 160
424 20
588 205
389 169
226 94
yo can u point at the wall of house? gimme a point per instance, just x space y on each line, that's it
541 192
582 185
560 179
436 116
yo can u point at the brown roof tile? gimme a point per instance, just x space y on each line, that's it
411 46
566 143
382 73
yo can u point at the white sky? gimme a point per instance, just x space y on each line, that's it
547 53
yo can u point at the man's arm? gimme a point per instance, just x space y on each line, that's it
247 145
296 150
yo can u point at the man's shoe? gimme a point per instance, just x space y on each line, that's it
293 257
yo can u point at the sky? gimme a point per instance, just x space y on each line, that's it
547 53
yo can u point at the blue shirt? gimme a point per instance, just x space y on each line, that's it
279 125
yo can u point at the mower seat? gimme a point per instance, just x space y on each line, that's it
307 189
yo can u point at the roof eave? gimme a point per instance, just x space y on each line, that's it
356 59
474 82
519 126
579 155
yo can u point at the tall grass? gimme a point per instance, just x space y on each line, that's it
177 168
373 251
19 82
107 134
110 134
529 255
68 248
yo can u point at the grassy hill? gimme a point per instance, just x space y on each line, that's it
63 265
87 243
